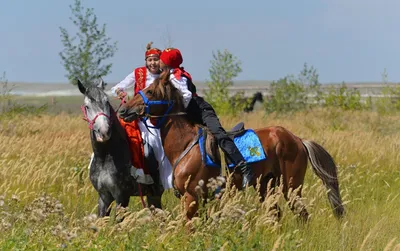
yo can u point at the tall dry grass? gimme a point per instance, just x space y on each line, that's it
47 201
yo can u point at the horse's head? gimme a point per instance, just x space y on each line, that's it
159 99
97 109
258 97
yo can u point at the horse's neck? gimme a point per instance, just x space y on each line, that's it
253 101
116 146
176 134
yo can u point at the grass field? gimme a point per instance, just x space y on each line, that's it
47 201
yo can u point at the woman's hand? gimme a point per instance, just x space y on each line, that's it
121 94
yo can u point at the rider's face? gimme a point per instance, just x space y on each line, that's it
153 64
163 66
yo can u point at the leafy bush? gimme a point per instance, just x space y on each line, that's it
224 68
290 94
287 95
344 98
389 102
9 107
5 93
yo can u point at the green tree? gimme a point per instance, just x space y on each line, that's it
390 101
293 93
287 95
5 93
224 68
9 106
310 79
344 98
83 59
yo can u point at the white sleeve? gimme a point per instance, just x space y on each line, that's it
182 86
124 84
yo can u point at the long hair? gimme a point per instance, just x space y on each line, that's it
165 90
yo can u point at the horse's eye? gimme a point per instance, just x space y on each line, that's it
149 92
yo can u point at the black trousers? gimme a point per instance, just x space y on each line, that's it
202 112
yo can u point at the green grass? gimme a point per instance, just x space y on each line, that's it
48 200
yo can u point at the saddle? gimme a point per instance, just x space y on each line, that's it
209 145
237 130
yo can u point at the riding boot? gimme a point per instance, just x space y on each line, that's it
247 173
156 189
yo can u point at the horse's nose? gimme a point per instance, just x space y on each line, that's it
122 111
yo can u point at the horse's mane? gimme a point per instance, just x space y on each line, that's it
165 90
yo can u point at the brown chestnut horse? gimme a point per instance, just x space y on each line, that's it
286 153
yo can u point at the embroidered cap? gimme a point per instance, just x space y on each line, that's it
152 52
172 57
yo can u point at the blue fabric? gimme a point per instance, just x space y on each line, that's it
208 161
248 144
250 147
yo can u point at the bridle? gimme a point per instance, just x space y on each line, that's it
91 122
160 118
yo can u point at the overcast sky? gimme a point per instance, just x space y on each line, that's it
346 40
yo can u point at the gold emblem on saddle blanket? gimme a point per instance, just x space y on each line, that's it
254 151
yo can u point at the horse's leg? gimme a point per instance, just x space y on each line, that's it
264 189
104 203
186 185
268 184
154 193
122 199
293 171
191 192
191 205
154 201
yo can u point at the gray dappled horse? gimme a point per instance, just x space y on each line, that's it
110 169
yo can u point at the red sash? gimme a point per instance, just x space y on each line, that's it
135 144
179 72
140 77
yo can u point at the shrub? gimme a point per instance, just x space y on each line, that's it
224 68
290 94
344 98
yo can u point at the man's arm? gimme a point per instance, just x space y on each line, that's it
181 85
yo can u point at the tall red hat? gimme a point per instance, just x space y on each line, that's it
151 52
172 57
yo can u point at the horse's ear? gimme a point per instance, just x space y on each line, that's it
101 83
81 87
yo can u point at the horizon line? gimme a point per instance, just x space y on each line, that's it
205 81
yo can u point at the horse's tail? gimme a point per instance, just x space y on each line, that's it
325 168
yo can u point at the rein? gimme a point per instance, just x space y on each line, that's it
120 104
91 125
160 121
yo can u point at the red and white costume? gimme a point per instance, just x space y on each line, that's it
140 79
179 78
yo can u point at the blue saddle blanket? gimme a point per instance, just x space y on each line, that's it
248 144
